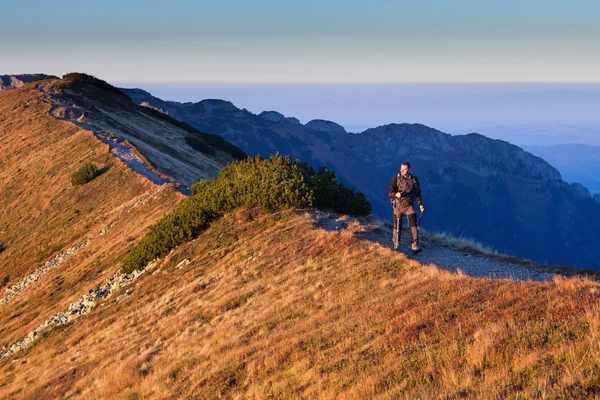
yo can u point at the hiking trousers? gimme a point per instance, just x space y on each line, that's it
402 207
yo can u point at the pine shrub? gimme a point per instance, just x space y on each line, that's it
84 174
275 184
92 80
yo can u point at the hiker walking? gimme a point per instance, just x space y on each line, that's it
404 189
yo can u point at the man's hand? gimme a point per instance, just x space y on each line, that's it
422 208
398 195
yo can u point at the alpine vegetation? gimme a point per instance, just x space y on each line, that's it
275 184
84 174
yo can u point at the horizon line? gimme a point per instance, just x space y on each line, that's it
351 82
443 82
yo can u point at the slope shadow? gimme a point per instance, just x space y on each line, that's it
102 170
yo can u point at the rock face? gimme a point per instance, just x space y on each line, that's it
274 116
14 81
473 186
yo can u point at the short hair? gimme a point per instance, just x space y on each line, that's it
405 163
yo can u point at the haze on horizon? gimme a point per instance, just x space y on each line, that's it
271 41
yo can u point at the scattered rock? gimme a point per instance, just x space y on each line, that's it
183 264
105 230
22 284
84 305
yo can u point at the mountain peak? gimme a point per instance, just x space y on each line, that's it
322 125
274 116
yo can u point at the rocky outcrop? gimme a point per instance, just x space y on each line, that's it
274 116
148 105
82 306
22 284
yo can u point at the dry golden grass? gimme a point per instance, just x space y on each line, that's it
270 307
42 214
457 243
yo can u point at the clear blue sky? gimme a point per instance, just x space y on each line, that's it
231 41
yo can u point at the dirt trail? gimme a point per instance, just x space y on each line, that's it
379 231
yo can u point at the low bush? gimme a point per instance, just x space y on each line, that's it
275 184
199 145
92 80
84 174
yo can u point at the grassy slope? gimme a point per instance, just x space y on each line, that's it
41 214
271 307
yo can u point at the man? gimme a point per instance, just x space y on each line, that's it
404 189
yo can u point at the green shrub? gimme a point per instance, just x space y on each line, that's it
92 80
224 145
84 174
331 195
275 184
198 144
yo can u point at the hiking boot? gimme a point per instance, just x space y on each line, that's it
416 249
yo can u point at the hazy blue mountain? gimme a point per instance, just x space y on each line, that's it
544 134
549 109
576 162
474 186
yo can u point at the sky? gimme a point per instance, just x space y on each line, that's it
265 41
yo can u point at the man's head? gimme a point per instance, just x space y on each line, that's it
405 168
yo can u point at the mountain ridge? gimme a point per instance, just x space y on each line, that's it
8 82
473 186
298 303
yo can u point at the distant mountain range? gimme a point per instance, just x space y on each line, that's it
15 81
473 186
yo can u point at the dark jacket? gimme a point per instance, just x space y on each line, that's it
409 188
